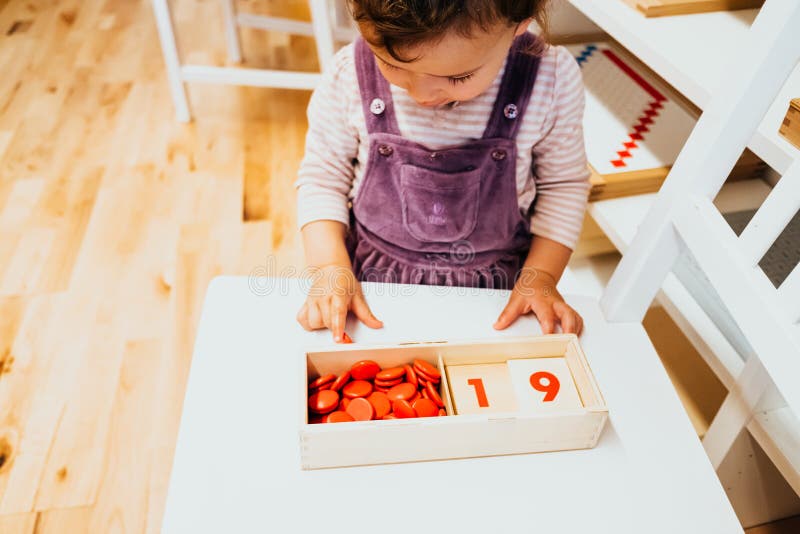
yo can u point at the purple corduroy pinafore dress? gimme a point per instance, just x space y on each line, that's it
448 216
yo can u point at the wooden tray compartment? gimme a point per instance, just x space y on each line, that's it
453 436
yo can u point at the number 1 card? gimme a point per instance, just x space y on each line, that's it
484 388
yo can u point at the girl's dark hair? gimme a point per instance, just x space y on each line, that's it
398 24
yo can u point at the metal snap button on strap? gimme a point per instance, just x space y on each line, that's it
498 155
510 111
385 150
377 106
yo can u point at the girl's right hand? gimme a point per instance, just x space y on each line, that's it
334 292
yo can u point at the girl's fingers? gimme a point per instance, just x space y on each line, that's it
338 318
325 311
361 310
546 316
571 322
302 317
315 321
515 307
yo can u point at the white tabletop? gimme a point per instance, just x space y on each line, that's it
237 461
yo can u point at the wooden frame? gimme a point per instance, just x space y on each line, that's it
661 8
454 436
322 27
683 217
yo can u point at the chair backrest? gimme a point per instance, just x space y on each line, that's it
683 218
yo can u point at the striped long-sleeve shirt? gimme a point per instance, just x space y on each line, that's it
551 158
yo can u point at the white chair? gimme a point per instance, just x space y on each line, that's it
683 220
329 24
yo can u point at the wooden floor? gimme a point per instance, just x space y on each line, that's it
113 219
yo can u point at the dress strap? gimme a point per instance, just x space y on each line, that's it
515 91
376 96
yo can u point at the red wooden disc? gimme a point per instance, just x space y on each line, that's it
425 408
341 381
323 402
364 370
388 383
361 410
321 381
403 410
381 404
427 368
402 391
323 387
357 388
434 395
338 417
411 376
427 378
388 375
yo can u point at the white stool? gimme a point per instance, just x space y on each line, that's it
327 26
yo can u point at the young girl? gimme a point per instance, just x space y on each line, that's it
445 147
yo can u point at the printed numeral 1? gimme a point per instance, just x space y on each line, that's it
480 392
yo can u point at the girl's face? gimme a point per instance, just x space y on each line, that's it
455 68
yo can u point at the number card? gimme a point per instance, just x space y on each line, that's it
543 385
484 388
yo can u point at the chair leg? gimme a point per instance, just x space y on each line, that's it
232 31
171 59
736 411
322 23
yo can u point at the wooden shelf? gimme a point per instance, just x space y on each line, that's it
776 430
691 52
781 428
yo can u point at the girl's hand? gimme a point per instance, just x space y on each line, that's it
335 291
536 291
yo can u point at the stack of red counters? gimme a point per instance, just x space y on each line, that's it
367 392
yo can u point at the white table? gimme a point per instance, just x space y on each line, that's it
237 465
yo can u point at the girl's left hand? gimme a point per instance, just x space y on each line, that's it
536 291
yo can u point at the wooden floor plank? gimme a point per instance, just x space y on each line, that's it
75 463
19 523
62 520
32 398
122 499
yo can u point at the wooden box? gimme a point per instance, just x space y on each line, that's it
453 436
790 128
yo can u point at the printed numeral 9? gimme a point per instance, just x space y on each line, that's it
549 387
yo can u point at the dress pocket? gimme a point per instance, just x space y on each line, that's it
439 207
